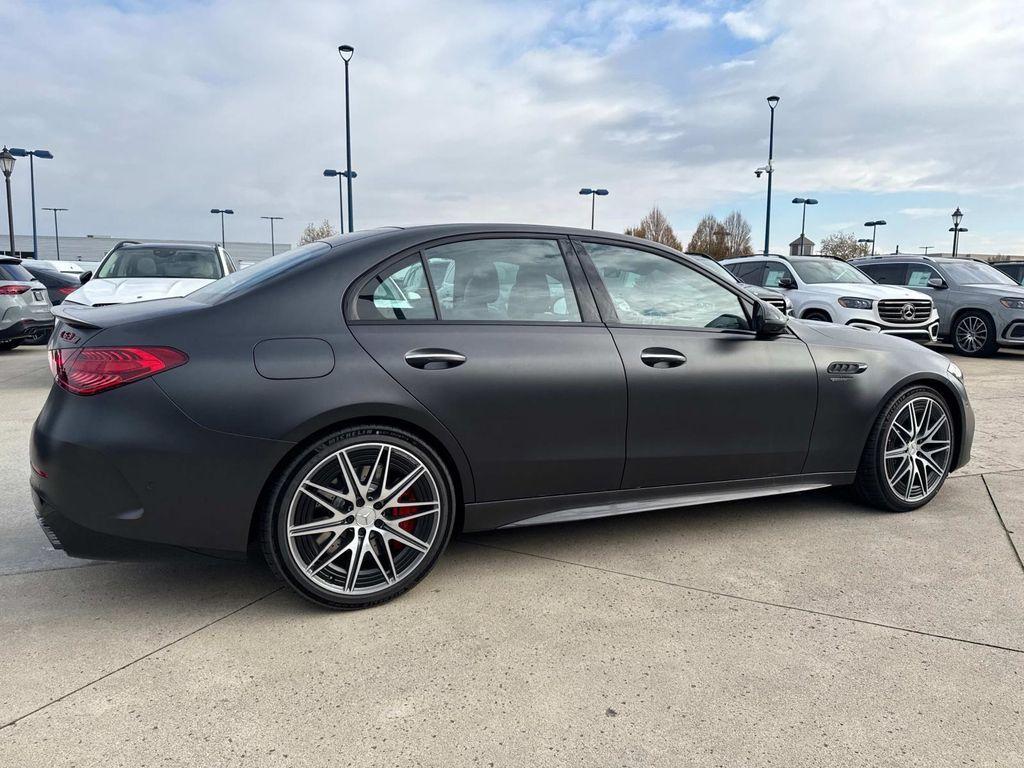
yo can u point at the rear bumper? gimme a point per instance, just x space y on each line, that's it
26 330
142 479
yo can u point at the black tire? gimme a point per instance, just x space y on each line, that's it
872 484
274 532
965 332
817 314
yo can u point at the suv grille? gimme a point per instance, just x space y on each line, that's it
905 311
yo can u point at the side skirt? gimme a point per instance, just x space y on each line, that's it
488 515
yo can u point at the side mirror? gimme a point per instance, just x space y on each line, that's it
768 321
85 277
787 282
937 282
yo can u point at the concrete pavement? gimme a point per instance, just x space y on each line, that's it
799 630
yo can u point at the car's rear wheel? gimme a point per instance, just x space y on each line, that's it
360 517
974 335
908 453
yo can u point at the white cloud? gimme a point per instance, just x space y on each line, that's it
747 25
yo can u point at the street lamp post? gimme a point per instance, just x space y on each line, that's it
593 195
804 201
7 166
864 241
56 232
222 211
769 169
341 198
956 229
32 154
346 51
925 248
272 219
874 231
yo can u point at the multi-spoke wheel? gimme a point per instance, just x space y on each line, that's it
974 334
360 518
909 451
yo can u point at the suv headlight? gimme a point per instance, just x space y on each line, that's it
851 302
1012 303
955 371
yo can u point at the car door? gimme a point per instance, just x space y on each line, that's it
493 336
918 275
708 400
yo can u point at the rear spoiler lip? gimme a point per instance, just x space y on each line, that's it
62 312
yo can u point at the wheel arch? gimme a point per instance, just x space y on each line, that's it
960 312
814 308
447 449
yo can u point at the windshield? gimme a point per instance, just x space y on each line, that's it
162 263
975 273
828 271
717 268
9 271
267 269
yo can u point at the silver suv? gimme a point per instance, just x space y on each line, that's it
24 306
980 308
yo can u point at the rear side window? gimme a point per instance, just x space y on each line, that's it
774 272
499 279
747 272
15 272
398 292
886 274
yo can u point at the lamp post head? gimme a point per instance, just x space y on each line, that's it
601 192
811 201
586 191
958 216
331 172
6 162
799 200
772 101
346 51
221 210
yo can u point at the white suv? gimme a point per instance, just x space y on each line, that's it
830 290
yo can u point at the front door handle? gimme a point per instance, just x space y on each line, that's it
661 357
434 359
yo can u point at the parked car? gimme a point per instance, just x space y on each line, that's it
133 272
832 291
58 284
568 374
777 299
981 308
67 267
1012 269
24 306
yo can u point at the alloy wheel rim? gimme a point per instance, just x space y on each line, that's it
917 449
972 333
363 519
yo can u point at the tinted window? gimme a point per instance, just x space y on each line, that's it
181 263
14 272
514 279
399 292
825 270
647 289
918 275
51 278
774 272
747 272
886 274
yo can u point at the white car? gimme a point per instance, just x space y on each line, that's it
146 271
832 291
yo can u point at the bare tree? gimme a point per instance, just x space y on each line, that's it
710 238
737 234
654 226
314 232
842 245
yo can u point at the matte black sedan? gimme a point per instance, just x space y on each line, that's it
349 404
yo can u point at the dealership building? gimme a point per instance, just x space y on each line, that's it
94 247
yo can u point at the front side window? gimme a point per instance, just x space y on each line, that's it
918 275
502 279
398 292
774 273
178 263
826 270
648 289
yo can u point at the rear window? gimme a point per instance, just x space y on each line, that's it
15 272
250 277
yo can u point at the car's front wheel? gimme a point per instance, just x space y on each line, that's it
359 518
974 335
908 453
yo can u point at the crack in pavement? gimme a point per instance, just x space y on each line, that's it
753 600
145 656
1002 522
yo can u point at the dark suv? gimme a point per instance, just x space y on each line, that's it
980 308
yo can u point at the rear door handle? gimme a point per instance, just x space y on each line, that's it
434 359
661 357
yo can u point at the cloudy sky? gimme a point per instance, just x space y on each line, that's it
501 111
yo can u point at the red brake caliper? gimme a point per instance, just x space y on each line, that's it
408 497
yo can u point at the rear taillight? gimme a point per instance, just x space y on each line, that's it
12 290
67 289
89 370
